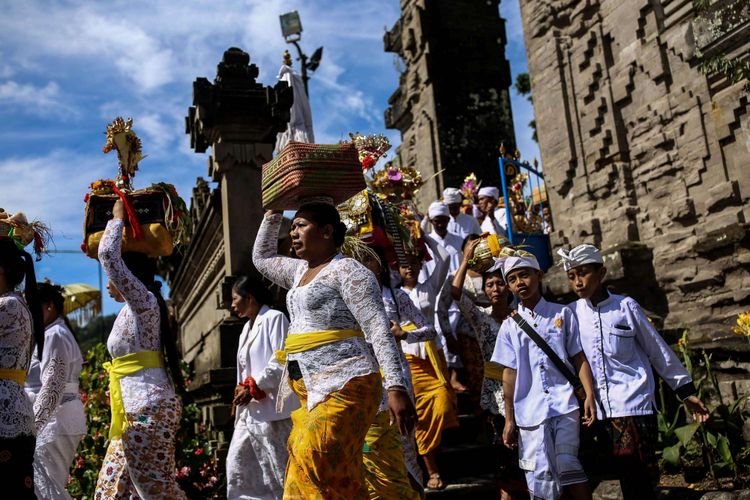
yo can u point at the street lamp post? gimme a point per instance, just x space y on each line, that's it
291 29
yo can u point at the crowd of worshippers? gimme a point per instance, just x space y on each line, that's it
348 394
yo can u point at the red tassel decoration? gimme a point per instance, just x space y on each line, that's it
135 226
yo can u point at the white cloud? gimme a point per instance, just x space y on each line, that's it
51 188
27 97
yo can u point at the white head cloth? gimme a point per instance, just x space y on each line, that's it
580 255
497 266
517 262
490 192
451 196
437 209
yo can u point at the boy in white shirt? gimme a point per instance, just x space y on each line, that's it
623 347
539 399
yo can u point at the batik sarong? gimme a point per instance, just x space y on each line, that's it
435 402
141 463
385 468
325 445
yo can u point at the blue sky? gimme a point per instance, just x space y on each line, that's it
68 68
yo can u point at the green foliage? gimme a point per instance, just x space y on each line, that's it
523 85
736 70
197 470
92 333
719 443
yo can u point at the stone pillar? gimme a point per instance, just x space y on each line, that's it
238 119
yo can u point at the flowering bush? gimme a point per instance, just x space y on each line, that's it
197 471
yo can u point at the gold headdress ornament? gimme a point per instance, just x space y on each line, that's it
120 136
370 148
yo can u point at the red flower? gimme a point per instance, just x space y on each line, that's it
80 463
84 247
197 452
86 198
368 162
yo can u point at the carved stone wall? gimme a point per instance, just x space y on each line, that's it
452 105
640 147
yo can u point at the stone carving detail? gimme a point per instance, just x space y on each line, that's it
640 148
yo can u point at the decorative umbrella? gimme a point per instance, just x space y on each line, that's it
82 302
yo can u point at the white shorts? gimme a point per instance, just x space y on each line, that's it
548 454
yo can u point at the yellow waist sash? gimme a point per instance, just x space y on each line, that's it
493 370
17 376
121 367
433 354
301 342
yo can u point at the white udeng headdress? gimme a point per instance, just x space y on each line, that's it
452 195
515 259
437 209
489 191
580 255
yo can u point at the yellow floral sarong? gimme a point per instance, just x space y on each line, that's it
435 402
325 445
383 458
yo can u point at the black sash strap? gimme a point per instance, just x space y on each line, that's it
551 354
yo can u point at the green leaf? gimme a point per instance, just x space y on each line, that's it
725 453
686 433
711 438
672 454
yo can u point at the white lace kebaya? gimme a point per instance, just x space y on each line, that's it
16 343
343 296
137 327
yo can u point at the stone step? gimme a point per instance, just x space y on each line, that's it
474 487
470 430
466 460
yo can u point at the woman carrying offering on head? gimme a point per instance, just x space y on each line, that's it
336 310
52 384
258 451
146 412
21 329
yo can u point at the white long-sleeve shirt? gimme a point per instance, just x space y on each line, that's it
463 225
622 346
256 357
57 405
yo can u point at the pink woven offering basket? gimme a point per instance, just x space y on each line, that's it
311 171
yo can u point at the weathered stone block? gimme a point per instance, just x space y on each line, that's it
720 238
723 195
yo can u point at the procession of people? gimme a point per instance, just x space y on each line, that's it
347 391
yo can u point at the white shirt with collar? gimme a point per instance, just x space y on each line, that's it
497 226
541 391
256 357
463 225
622 346
451 244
